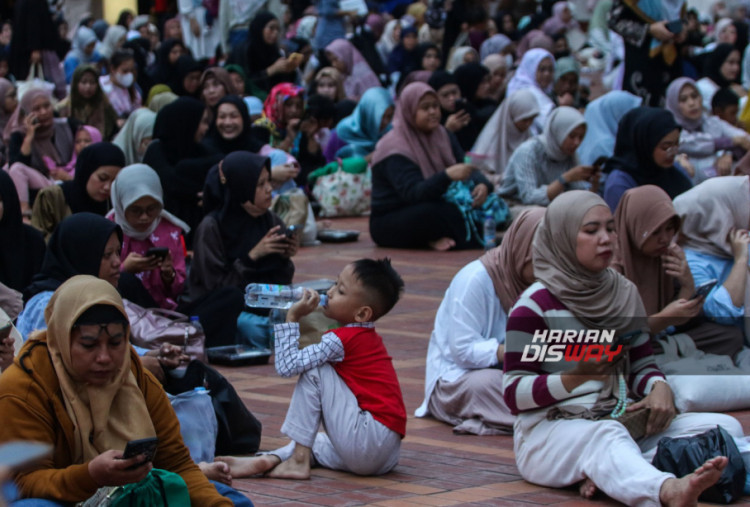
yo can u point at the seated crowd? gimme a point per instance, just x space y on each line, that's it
164 163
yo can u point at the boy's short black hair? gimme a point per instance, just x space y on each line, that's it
724 97
320 107
379 279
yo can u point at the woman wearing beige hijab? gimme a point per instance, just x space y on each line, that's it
648 255
80 387
463 379
560 438
715 220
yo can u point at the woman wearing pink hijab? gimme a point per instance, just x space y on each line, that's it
412 167
345 58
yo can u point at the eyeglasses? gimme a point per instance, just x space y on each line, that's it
669 148
137 211
92 331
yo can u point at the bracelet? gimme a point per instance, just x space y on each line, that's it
562 181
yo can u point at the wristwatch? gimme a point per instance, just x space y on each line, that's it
564 183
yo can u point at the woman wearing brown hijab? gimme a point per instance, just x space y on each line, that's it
648 255
463 379
80 387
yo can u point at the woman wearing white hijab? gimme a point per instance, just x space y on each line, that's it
505 131
460 56
537 73
138 208
546 165
135 136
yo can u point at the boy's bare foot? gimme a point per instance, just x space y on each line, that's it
296 467
216 471
247 467
442 244
685 491
587 489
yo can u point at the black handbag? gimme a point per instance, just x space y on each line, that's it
682 455
239 430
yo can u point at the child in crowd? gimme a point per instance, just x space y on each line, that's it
346 380
726 105
314 132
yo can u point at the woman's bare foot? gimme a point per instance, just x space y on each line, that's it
685 491
296 467
216 471
587 489
442 244
248 467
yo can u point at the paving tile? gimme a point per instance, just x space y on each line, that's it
437 467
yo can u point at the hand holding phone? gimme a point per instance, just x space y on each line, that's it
144 446
704 289
291 231
160 252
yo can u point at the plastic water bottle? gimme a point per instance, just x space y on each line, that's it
266 295
489 231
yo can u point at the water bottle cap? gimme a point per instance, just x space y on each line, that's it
199 389
194 318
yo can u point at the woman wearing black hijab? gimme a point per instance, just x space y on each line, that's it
721 70
179 157
96 168
22 247
240 240
186 79
261 56
231 130
165 67
473 79
645 148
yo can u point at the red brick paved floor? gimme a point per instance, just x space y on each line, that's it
436 466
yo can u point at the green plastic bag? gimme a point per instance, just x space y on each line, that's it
160 488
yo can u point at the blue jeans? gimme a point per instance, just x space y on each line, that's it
254 331
235 496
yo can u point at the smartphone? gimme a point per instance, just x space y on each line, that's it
704 288
35 121
20 453
460 104
145 446
156 251
291 231
5 331
675 26
599 162
627 338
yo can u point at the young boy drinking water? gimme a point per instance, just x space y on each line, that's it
347 382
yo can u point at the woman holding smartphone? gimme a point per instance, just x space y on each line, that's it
152 246
80 386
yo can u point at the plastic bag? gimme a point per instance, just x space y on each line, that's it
681 456
198 425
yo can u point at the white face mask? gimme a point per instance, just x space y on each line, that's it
125 80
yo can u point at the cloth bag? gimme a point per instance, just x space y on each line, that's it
198 425
343 187
681 456
702 382
151 327
238 429
159 488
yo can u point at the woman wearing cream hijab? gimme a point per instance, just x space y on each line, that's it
560 438
80 387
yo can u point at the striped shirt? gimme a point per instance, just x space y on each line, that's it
535 384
